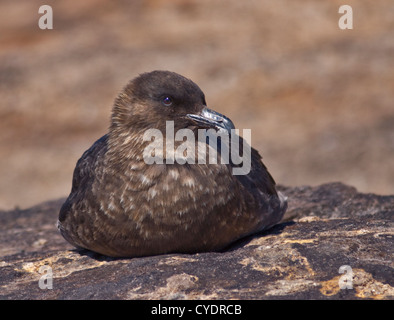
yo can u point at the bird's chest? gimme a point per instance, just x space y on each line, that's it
175 189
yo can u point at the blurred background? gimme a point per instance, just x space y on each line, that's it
319 100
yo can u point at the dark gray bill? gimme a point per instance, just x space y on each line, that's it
212 119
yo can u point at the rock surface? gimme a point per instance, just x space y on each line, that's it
326 227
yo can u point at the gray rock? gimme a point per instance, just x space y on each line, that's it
326 227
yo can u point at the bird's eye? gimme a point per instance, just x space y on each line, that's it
167 101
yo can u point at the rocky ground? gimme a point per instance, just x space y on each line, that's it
319 100
326 228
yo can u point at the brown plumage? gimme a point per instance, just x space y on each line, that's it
122 207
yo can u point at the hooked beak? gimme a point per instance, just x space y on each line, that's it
212 119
